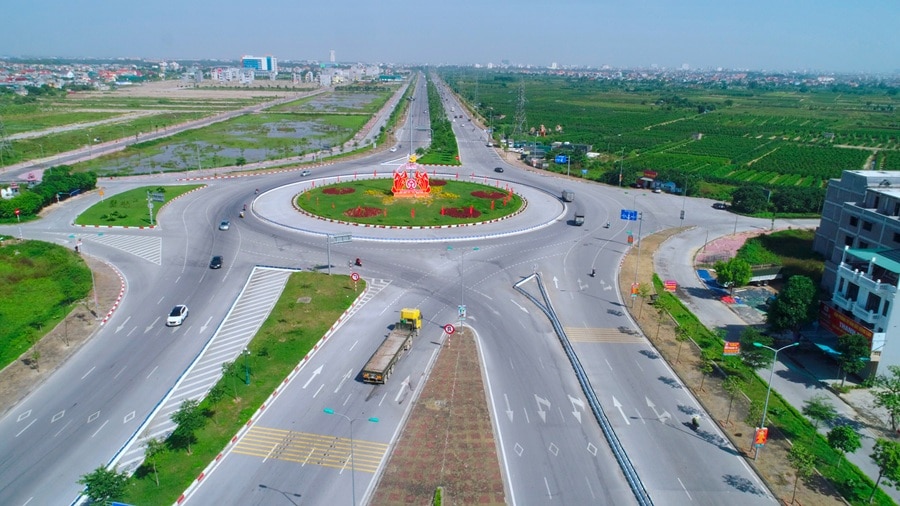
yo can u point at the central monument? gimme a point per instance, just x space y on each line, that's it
411 181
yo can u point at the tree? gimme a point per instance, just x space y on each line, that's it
735 272
819 409
104 485
154 448
887 393
844 440
855 351
732 385
753 356
886 456
681 335
705 367
189 419
795 306
804 463
749 199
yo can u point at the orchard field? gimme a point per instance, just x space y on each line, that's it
722 134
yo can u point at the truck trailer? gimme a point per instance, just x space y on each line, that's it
381 364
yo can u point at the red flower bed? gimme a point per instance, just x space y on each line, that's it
437 182
461 212
491 196
363 212
341 190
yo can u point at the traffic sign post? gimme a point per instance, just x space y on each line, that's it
449 329
629 214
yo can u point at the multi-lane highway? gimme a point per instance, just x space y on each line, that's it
552 448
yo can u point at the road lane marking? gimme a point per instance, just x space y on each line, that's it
90 371
62 429
131 332
58 416
129 417
319 390
314 374
25 428
120 372
93 416
153 371
100 428
24 416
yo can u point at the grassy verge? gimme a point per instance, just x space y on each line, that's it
129 209
370 201
852 483
42 282
284 339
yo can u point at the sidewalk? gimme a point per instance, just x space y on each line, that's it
801 373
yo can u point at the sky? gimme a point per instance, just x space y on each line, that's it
773 35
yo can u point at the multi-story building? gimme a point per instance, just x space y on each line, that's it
859 236
268 64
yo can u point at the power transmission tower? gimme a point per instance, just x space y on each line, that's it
519 130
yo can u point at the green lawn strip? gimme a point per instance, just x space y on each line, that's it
287 335
850 481
129 208
43 282
375 195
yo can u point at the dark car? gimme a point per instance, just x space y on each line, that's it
498 169
720 205
216 262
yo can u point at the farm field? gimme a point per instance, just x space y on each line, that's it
727 135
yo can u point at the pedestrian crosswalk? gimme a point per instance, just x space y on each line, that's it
315 449
142 246
603 335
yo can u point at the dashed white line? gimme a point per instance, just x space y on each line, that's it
120 372
685 490
26 428
86 374
100 428
62 429
319 390
153 371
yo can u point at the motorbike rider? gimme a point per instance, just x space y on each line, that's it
358 262
695 422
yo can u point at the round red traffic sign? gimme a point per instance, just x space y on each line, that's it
354 276
449 329
17 212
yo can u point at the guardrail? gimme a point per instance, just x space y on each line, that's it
634 481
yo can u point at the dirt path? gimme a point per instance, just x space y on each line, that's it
448 440
23 376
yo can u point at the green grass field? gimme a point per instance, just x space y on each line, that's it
370 201
287 335
129 209
39 284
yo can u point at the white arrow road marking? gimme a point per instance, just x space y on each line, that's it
618 406
122 326
314 374
576 403
343 379
580 285
607 288
203 327
662 417
404 388
509 411
518 306
148 328
556 282
540 401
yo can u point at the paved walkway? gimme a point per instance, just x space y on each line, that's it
800 373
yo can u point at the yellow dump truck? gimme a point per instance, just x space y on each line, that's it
380 366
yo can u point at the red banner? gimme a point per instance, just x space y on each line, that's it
732 348
839 324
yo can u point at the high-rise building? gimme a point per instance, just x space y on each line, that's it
331 56
260 63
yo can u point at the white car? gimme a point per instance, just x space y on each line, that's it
393 149
305 173
177 316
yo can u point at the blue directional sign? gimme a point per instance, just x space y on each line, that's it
630 215
561 159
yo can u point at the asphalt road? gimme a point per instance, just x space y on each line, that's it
552 449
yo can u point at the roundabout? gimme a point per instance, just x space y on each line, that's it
538 210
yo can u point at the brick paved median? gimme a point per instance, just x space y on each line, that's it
448 440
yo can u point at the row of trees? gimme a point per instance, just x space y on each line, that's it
57 183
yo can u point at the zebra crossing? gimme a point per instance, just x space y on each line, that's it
146 247
620 335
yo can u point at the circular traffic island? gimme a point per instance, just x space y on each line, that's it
411 200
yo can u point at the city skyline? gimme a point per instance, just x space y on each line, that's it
824 36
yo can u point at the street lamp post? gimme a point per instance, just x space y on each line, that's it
638 239
621 164
762 422
246 354
462 305
329 411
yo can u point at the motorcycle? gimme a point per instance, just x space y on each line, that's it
593 272
695 422
242 214
358 263
607 225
